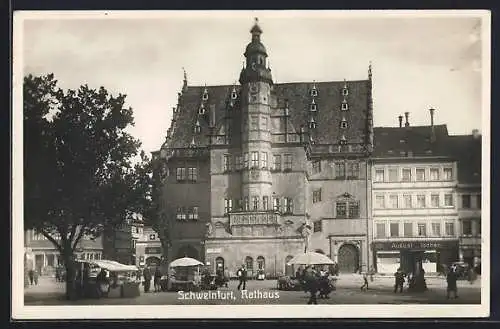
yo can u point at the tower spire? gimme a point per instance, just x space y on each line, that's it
184 82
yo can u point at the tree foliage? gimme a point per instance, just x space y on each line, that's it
79 170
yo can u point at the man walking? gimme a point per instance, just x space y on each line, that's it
311 278
365 281
147 279
399 278
451 280
242 277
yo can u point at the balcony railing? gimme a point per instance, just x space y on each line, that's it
243 218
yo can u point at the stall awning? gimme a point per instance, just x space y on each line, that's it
114 266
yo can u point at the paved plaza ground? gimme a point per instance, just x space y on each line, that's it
50 292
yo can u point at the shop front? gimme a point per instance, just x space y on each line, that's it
412 256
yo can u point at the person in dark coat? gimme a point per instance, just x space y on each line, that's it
311 280
35 277
102 283
451 280
399 278
157 279
147 279
365 281
242 277
31 275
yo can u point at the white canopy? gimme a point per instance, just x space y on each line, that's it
114 266
310 258
185 262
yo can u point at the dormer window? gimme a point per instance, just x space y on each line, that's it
345 106
201 110
312 123
313 107
343 123
314 91
343 140
205 94
345 91
234 94
197 127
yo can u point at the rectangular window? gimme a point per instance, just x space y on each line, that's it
317 196
265 202
408 229
276 204
435 200
239 161
288 162
406 175
181 174
379 175
447 174
381 231
420 174
353 170
288 205
466 201
181 214
450 229
254 121
277 162
422 230
264 160
255 203
340 170
246 205
317 226
407 201
264 123
192 174
448 200
341 209
434 174
436 229
467 227
255 159
245 160
193 215
421 201
393 175
380 201
227 162
316 166
393 201
394 230
353 209
228 206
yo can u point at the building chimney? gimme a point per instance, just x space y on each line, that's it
433 133
400 121
407 116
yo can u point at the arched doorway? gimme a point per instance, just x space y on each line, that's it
288 268
153 262
188 251
348 258
249 266
219 264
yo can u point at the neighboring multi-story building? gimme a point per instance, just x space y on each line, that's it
148 249
256 173
468 154
44 256
415 213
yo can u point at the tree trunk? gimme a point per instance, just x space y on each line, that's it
71 291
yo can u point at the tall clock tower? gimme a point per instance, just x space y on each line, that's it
256 81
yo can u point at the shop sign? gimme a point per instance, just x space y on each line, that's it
425 245
153 250
214 250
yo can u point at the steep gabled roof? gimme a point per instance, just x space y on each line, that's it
466 149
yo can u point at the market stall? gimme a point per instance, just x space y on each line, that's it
184 274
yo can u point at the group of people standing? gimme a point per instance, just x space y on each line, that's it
148 275
316 282
33 277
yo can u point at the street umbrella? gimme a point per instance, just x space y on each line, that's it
310 258
185 262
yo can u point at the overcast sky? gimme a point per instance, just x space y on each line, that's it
418 62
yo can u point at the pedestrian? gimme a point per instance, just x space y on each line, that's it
311 279
365 281
242 277
451 280
157 279
399 278
471 275
147 279
35 277
31 275
102 283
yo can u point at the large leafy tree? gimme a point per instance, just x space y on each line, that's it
79 170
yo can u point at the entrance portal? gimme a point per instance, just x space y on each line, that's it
348 259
